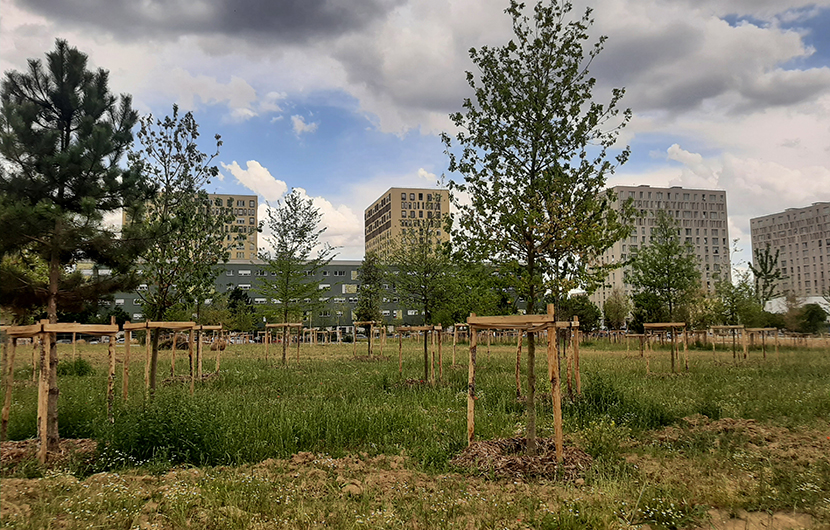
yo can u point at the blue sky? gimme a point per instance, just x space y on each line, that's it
346 99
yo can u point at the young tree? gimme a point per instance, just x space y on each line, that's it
369 294
535 161
62 135
767 274
664 273
187 231
419 267
580 306
616 309
295 259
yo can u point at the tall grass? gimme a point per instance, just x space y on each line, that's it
334 404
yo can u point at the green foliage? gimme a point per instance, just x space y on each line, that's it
616 309
812 319
582 307
78 367
664 274
296 258
369 294
534 157
766 273
62 135
187 230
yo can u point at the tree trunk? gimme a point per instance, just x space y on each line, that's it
53 439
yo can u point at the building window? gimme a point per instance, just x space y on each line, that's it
119 301
339 273
240 203
142 287
251 220
403 196
137 316
240 255
325 273
245 273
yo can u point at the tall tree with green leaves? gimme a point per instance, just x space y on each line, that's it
419 269
664 274
295 257
186 229
370 290
616 309
767 274
535 159
62 136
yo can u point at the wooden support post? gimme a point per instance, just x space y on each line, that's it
489 332
400 353
454 341
647 349
74 350
555 387
147 361
192 363
199 354
743 340
299 329
382 330
440 359
576 358
673 347
777 357
111 377
471 388
371 340
125 377
9 348
35 357
431 335
569 360
173 356
519 365
42 399
219 350
354 342
764 344
267 336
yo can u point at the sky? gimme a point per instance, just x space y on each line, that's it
346 98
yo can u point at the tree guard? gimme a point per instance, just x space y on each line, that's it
286 327
652 328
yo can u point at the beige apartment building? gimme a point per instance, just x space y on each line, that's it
802 237
402 208
245 222
702 216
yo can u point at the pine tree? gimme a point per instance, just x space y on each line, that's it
62 135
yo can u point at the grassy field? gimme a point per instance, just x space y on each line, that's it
339 442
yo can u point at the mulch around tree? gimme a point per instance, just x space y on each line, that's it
506 458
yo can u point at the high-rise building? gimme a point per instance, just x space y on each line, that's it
245 222
802 237
401 208
701 215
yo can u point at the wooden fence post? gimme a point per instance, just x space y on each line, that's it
111 377
400 353
8 383
471 387
42 398
577 371
555 385
519 365
125 377
192 363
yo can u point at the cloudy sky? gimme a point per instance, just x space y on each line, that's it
345 98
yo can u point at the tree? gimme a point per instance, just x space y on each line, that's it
616 309
812 319
295 259
241 308
580 306
664 273
767 274
369 294
62 135
187 232
418 267
535 160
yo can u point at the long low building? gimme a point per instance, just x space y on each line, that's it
338 287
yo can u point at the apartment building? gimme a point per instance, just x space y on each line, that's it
401 208
802 237
245 222
702 216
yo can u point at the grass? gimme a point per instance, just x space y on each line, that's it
363 413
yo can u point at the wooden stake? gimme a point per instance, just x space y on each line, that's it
192 364
35 357
743 340
267 334
9 347
199 354
569 359
555 387
685 350
173 356
440 359
454 340
471 389
431 335
125 377
42 398
147 361
111 378
576 359
219 351
647 348
400 353
519 365
74 351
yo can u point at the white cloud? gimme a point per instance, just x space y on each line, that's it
426 175
301 127
257 179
